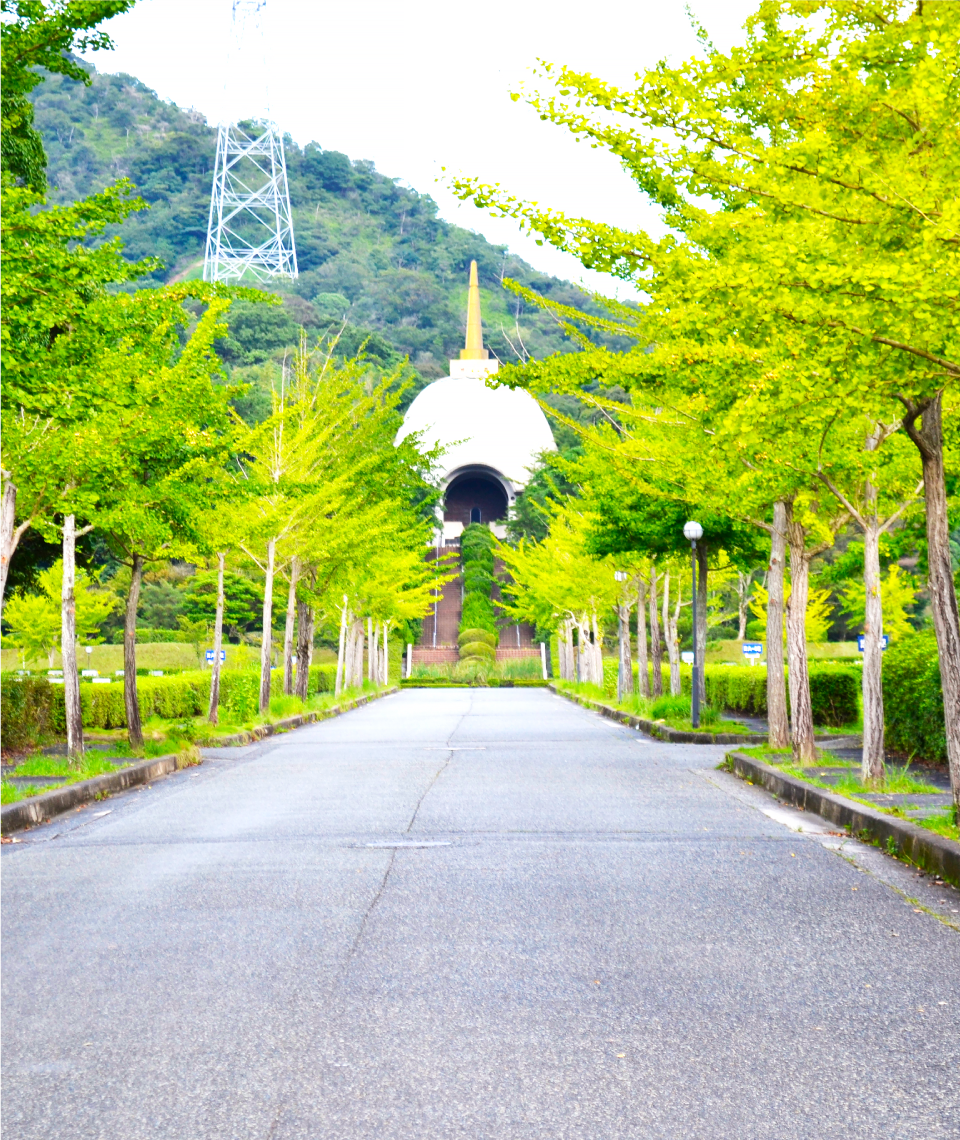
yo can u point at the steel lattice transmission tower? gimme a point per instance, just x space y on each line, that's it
250 231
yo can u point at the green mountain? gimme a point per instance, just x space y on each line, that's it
370 251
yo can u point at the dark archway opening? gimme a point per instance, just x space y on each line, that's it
475 498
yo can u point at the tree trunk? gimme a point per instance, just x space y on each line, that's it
288 628
565 651
801 711
642 662
702 622
778 726
267 644
68 640
213 713
358 654
656 653
350 667
743 602
625 664
385 655
305 629
596 643
341 650
928 439
371 651
670 635
873 744
8 518
131 702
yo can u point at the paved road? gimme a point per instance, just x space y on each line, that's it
465 914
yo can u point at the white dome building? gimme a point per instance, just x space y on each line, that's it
491 436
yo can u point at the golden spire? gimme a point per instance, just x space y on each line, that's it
474 349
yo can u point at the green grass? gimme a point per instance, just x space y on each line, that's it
731 651
944 824
512 669
672 711
93 763
765 752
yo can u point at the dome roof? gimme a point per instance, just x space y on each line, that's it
501 428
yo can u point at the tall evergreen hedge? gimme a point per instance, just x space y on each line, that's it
476 547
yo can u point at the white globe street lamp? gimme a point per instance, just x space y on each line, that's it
691 532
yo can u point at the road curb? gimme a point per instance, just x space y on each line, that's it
660 731
38 809
927 850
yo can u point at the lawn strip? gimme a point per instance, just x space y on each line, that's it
654 728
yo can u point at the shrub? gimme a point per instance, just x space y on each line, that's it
30 709
479 649
913 697
473 635
742 688
156 636
834 695
834 692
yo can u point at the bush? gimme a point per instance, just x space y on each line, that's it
155 636
834 692
30 710
742 688
913 697
479 649
473 635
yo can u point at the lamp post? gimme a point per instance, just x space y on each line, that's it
623 683
692 531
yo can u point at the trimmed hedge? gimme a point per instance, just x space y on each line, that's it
834 692
30 709
479 649
913 697
484 635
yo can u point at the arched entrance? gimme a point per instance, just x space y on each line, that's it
475 497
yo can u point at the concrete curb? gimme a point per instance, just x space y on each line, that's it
38 809
927 850
660 731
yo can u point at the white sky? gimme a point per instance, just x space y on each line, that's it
424 85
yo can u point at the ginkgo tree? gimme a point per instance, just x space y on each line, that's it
808 181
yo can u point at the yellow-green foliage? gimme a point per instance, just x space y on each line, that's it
819 611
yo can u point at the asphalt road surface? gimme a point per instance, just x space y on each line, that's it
466 913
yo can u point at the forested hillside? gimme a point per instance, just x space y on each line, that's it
370 251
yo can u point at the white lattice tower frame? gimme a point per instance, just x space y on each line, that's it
250 229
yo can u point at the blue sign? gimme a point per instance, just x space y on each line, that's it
223 656
884 642
753 649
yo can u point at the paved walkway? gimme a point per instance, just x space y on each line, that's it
472 914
